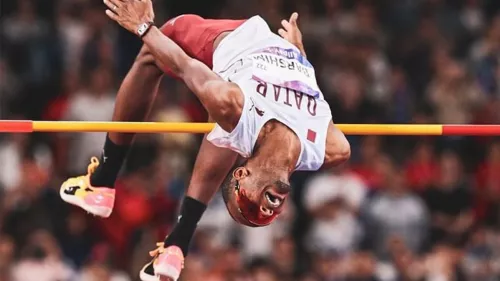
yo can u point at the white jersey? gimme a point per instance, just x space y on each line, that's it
278 83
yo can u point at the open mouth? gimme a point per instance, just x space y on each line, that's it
273 199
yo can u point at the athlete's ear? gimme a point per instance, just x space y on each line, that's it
240 173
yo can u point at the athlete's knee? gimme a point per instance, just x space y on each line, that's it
145 57
146 65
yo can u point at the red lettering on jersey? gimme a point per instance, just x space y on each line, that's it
311 105
287 101
277 92
298 99
311 102
262 88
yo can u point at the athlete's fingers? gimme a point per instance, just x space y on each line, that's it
293 19
282 32
113 5
286 25
112 15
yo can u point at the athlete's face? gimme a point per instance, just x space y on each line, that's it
259 199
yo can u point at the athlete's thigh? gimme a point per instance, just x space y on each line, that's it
196 35
210 169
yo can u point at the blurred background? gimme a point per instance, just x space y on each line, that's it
403 208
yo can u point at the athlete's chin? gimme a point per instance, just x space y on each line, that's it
250 224
260 222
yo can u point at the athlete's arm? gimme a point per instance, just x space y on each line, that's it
222 100
337 149
291 32
212 166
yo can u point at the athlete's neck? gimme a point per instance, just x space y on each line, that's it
277 149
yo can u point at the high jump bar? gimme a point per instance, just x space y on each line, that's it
29 126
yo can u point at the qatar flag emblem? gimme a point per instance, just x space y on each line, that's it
311 135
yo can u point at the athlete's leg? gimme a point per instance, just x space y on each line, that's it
136 94
133 102
211 167
196 35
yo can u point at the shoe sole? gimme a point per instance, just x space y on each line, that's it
167 273
146 277
77 201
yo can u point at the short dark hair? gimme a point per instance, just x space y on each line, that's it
227 187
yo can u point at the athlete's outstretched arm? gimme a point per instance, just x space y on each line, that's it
210 169
222 100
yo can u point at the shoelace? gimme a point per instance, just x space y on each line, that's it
159 250
94 162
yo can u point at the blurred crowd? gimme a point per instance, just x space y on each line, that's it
403 208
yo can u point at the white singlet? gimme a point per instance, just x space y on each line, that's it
277 83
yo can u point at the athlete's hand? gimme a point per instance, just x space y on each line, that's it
291 32
130 13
